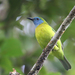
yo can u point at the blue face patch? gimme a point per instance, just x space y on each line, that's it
37 21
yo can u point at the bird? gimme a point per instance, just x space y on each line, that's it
43 33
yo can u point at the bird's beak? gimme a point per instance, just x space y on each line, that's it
30 19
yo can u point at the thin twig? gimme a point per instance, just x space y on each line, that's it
38 65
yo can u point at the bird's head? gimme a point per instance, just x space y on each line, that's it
37 20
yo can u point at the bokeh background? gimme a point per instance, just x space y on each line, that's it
18 46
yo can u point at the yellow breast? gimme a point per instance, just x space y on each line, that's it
43 34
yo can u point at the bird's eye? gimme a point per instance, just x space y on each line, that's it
37 18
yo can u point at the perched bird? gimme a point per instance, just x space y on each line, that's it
44 33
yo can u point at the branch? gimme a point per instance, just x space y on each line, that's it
38 65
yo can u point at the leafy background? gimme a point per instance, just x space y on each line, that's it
18 46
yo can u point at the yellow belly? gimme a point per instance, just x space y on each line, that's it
43 34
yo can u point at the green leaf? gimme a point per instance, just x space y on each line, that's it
11 47
6 64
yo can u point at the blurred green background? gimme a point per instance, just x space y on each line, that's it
18 46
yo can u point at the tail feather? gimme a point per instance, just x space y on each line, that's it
65 63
